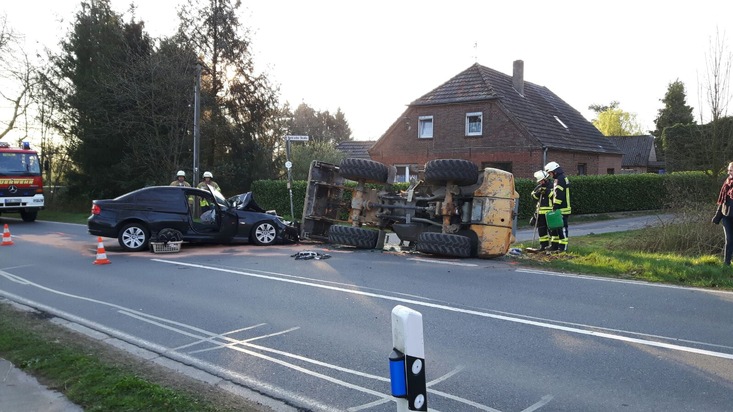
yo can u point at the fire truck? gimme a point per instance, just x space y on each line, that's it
21 182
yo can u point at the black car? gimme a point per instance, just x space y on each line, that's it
194 215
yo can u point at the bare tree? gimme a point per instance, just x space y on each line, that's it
715 131
17 75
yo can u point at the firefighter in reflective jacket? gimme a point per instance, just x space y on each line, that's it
560 200
203 185
541 194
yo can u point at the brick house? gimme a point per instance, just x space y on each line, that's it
495 120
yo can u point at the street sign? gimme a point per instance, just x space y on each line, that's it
288 164
297 138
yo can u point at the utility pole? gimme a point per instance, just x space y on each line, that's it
196 127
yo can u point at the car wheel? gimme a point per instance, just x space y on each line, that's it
264 234
363 169
134 237
353 236
28 216
459 171
444 244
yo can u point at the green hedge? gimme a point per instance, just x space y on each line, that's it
589 194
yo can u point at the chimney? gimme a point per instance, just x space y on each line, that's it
518 78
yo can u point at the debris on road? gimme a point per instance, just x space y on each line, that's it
310 254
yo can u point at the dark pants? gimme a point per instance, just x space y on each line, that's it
727 222
559 237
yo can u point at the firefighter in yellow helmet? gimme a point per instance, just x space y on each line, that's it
180 179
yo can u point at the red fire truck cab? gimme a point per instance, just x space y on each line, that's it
21 182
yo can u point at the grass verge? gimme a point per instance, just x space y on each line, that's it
610 255
99 377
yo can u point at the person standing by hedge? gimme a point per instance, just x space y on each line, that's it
560 198
722 214
541 194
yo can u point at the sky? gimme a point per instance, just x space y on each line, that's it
371 59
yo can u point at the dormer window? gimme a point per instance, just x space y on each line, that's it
425 127
474 124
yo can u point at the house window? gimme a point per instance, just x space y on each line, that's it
405 173
610 171
425 127
474 124
582 169
505 166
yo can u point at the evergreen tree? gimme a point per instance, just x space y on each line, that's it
239 134
91 111
675 110
320 126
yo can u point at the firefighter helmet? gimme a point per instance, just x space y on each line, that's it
208 174
181 173
540 175
551 167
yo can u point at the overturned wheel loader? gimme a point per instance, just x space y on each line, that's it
453 209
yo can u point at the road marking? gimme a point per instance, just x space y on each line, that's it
546 325
157 321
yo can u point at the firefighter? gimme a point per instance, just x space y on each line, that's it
203 185
541 194
560 200
207 181
180 179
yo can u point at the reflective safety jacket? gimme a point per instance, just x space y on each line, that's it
542 195
560 194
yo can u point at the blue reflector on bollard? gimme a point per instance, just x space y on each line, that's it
397 377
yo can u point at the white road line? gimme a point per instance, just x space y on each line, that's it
544 401
212 338
242 342
383 398
463 311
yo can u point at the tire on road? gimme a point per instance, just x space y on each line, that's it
134 237
363 169
264 234
444 244
459 171
28 216
353 236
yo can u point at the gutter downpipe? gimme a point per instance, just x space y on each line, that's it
544 157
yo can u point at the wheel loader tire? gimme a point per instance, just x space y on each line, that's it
363 169
444 244
353 236
459 171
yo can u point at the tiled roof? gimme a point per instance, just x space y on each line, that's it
546 117
356 148
637 150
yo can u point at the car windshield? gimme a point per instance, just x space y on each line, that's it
19 164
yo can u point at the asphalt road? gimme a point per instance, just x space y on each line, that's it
316 334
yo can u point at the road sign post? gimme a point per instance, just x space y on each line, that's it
289 166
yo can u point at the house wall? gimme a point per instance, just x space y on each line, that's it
501 141
595 164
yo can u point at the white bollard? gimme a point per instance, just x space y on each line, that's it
407 360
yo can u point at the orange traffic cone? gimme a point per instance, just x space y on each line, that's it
101 254
7 240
